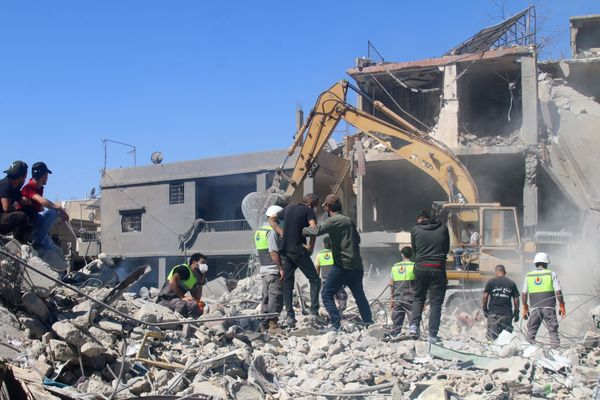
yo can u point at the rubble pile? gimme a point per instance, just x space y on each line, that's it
75 348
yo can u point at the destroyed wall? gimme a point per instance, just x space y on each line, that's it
394 193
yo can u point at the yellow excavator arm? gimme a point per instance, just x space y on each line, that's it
421 150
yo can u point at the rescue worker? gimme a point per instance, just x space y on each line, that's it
324 262
430 241
348 267
181 279
543 289
267 241
402 289
500 303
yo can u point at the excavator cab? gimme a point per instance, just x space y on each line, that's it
499 240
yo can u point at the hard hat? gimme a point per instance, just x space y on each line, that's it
541 258
273 210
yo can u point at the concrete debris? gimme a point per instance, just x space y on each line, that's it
233 359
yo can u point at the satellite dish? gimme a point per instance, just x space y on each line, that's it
92 216
156 157
92 193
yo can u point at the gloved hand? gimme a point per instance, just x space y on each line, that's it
516 315
525 311
485 311
562 311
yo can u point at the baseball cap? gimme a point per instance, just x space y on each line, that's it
17 168
39 168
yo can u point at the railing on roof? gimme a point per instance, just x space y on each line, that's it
231 225
518 30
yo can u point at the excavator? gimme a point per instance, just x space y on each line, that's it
500 240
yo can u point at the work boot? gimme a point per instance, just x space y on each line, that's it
413 332
290 322
434 340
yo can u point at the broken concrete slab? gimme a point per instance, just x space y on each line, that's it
68 332
34 305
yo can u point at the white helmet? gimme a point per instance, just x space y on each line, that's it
541 258
273 210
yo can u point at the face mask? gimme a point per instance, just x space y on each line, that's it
202 268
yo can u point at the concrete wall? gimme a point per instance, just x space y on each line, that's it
161 222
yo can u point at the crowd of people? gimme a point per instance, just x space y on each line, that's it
285 243
24 211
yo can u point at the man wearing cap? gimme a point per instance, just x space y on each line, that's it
295 253
181 279
543 289
12 219
348 268
43 212
266 240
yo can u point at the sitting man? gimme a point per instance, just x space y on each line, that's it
181 279
324 262
466 247
13 220
42 211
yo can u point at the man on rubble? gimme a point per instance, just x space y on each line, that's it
42 211
430 241
543 289
13 220
402 289
295 253
324 262
500 303
266 240
181 279
348 268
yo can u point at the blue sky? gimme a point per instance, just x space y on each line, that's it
198 79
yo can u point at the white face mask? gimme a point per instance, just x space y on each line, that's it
202 268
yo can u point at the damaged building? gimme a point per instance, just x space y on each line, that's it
523 128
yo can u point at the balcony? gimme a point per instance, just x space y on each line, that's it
232 225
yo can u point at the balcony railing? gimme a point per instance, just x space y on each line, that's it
231 225
89 236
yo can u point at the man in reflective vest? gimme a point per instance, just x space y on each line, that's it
267 244
324 263
543 289
402 289
182 279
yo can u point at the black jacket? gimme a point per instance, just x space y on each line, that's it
430 241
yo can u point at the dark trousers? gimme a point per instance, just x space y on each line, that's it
498 323
18 223
188 309
272 295
548 316
337 278
434 282
403 300
292 261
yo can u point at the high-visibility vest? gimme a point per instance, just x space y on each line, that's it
540 289
403 271
261 241
325 258
190 282
540 281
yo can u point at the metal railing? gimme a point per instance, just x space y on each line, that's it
231 225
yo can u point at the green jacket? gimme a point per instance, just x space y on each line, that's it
344 237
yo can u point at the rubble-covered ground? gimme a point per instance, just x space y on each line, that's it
58 344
